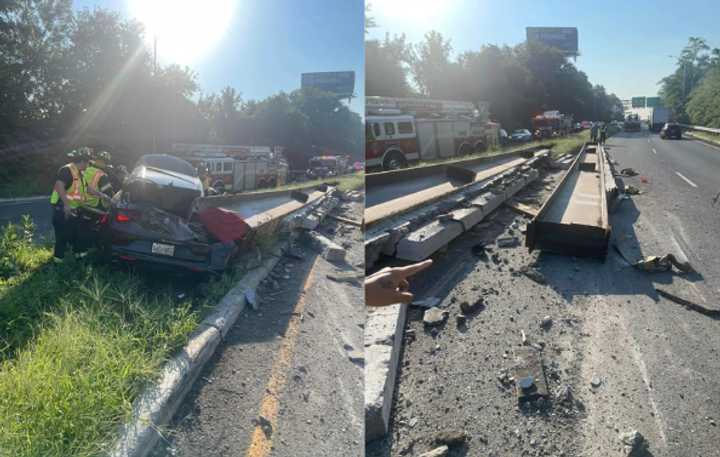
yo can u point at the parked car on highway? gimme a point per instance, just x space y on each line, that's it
154 220
671 130
503 137
521 136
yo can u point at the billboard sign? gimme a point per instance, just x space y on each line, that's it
638 102
564 39
341 83
652 102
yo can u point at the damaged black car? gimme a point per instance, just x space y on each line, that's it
155 219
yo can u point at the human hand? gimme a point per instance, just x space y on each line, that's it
390 285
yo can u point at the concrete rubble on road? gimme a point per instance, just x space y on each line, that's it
437 452
330 250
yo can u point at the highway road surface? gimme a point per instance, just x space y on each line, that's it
633 360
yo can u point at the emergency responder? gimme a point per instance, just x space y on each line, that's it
594 132
99 189
603 133
67 197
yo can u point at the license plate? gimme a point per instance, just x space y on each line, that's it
163 249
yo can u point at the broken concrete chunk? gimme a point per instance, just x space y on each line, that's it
563 394
434 316
595 382
329 249
632 190
634 442
529 372
441 451
546 322
508 242
451 438
654 264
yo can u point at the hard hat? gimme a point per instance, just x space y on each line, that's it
104 156
81 154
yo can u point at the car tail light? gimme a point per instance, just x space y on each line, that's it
126 215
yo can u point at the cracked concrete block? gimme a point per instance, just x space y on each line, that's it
396 234
383 341
469 216
374 247
330 250
488 202
421 243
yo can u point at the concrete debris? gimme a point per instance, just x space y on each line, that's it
264 425
508 242
428 302
628 172
251 298
632 190
546 322
328 248
353 196
350 277
634 442
654 264
563 394
534 275
451 438
595 382
441 451
468 309
434 316
445 217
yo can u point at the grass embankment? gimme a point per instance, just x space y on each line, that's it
344 183
569 144
78 342
705 136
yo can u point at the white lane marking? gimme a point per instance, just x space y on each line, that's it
654 151
685 179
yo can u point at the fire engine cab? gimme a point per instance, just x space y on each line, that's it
237 168
403 130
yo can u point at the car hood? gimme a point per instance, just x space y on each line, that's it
167 190
167 178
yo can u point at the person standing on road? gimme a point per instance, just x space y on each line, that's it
594 132
67 196
603 133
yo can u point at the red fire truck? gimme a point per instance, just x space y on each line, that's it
551 123
403 130
237 168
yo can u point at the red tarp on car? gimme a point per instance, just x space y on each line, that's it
224 225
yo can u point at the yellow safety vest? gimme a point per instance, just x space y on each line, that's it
92 177
76 191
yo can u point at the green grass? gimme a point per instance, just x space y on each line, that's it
345 182
709 137
569 144
79 341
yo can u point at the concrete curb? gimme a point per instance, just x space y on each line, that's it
384 331
703 140
158 403
25 199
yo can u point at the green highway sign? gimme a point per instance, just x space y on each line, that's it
652 102
638 102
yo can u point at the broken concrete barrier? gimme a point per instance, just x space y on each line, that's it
383 341
330 250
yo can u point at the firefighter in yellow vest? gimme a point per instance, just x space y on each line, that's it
67 196
99 190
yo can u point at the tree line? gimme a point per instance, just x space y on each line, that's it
692 91
88 77
518 81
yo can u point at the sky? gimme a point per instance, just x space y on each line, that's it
624 45
259 47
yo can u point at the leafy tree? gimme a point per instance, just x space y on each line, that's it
386 67
703 107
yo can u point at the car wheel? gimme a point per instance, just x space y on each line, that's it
394 161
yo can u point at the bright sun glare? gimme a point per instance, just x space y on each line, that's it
413 11
185 29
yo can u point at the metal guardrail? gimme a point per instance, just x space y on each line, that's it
700 128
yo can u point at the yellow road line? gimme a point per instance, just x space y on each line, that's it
261 445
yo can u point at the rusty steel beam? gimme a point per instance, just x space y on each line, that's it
574 218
